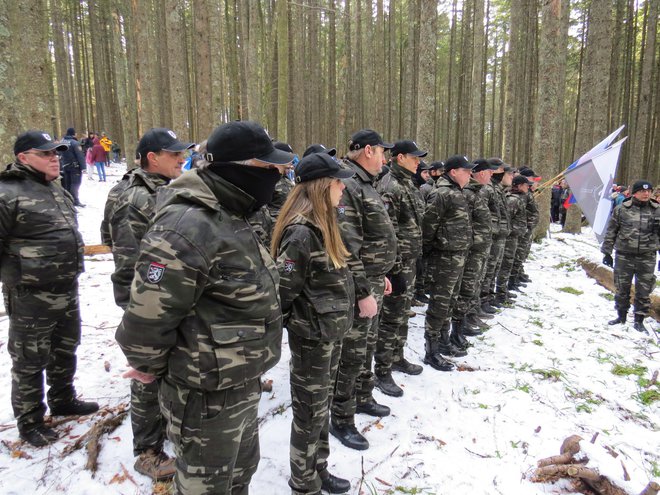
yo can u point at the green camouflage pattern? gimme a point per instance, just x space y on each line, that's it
446 271
133 209
491 196
262 223
204 307
147 421
215 436
39 240
313 371
110 204
516 203
642 267
366 229
497 200
281 192
634 228
317 298
447 225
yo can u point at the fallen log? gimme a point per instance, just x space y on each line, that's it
605 277
97 249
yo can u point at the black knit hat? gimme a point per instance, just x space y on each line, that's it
641 185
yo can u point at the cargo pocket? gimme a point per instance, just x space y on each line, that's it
173 401
332 318
37 262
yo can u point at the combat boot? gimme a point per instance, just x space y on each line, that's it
511 295
475 322
619 319
639 324
512 285
75 407
456 337
482 314
433 357
385 384
446 347
38 435
349 436
157 465
467 328
524 277
372 408
487 308
333 484
405 366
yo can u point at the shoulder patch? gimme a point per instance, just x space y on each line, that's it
341 209
155 272
289 265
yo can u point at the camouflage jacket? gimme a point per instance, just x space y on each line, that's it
282 190
317 298
426 189
634 228
504 218
406 210
134 209
533 214
262 224
39 240
517 204
480 215
110 204
204 308
366 230
447 225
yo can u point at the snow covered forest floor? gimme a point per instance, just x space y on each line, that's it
549 367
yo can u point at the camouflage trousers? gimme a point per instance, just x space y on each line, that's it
393 328
510 249
420 277
215 436
642 267
355 380
146 419
313 370
492 268
446 271
524 246
473 274
44 333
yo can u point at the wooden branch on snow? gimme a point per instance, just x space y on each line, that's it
97 249
604 276
651 489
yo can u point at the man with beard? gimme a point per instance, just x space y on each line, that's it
204 315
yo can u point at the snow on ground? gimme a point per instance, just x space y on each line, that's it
544 371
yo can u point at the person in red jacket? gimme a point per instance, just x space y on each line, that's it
98 158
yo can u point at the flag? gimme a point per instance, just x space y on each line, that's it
590 179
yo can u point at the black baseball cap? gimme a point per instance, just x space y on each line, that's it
457 161
481 164
439 165
423 166
318 165
529 173
160 139
520 180
37 140
319 148
407 147
280 145
243 140
366 137
641 185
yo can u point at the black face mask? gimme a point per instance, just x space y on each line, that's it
497 178
257 182
435 177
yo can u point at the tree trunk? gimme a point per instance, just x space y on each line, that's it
426 74
202 68
178 69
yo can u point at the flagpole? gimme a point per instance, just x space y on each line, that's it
542 187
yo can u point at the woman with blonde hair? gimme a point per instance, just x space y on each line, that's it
317 294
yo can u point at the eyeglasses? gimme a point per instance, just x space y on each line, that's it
43 154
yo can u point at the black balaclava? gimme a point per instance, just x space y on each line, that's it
258 182
497 178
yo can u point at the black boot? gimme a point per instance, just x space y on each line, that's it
514 286
349 436
333 484
38 435
511 295
639 324
620 319
456 337
434 359
499 301
373 408
474 321
75 407
446 347
482 314
524 278
487 308
405 366
467 329
385 384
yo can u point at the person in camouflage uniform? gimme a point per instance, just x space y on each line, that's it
41 257
316 289
161 157
406 210
467 305
369 236
422 179
282 188
204 315
518 277
497 199
110 204
634 232
447 236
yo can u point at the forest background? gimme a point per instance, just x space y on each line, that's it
537 82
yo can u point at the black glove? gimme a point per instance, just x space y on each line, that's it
608 261
398 284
